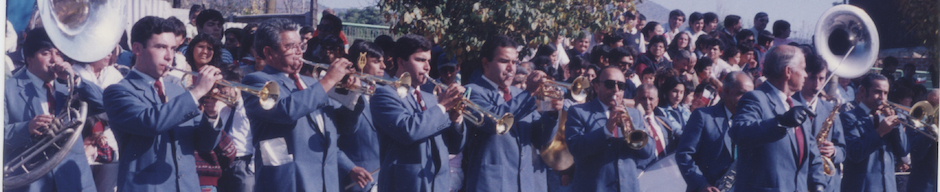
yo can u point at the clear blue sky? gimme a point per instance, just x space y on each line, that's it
347 3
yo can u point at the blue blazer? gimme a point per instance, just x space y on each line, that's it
316 157
157 139
823 109
22 104
359 140
870 163
415 143
507 162
923 162
672 141
767 152
602 162
705 150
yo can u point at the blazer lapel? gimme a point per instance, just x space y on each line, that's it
722 124
29 94
135 79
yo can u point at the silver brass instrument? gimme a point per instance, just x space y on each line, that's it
846 38
401 85
578 89
635 138
267 95
503 123
823 135
72 26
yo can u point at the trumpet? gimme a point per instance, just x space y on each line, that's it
267 94
503 123
927 130
402 84
578 89
636 139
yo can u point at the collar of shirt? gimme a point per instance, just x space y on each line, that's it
302 83
808 104
147 78
39 83
866 109
500 91
780 95
606 110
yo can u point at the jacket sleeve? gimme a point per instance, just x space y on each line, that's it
290 106
131 114
405 126
686 152
92 95
858 142
750 127
582 140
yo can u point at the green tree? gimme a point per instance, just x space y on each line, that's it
921 18
461 27
367 15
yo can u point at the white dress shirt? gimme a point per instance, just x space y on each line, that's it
318 118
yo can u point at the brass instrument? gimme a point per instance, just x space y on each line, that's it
72 26
578 89
847 39
267 95
503 124
556 154
726 181
823 135
922 111
635 138
402 84
927 130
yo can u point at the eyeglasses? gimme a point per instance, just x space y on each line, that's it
302 47
611 84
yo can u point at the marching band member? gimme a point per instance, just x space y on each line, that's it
924 154
770 132
158 123
300 127
357 136
834 145
705 150
518 167
412 127
873 139
603 159
33 96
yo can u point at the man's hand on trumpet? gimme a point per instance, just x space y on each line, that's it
614 121
451 98
338 69
205 81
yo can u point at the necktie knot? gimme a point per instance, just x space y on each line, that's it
419 100
296 79
159 85
506 94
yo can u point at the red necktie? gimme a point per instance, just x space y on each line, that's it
296 81
50 98
506 95
419 100
159 85
799 135
655 134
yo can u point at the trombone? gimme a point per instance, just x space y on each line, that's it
267 94
927 130
401 85
503 124
578 89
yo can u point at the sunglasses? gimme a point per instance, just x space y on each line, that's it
611 84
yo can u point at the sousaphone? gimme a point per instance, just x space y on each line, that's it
86 31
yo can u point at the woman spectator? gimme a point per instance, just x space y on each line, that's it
655 56
651 30
680 42
670 108
732 56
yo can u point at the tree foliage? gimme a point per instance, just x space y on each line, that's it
366 15
461 27
921 17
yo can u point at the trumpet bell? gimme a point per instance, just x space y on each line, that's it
578 88
841 28
556 154
404 82
637 139
72 25
504 123
268 95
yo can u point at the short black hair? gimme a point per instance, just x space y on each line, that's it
306 29
410 44
676 13
618 53
780 26
598 52
703 63
148 26
577 63
650 26
492 44
710 17
336 24
648 70
209 15
764 37
371 50
547 49
744 48
711 42
815 64
541 60
731 20
890 60
611 39
641 16
180 26
695 16
36 40
743 34
759 15
729 52
629 15
656 39
386 42
248 27
869 79
239 33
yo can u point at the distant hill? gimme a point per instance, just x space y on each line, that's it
654 12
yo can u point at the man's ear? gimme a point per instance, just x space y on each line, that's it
137 48
266 52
